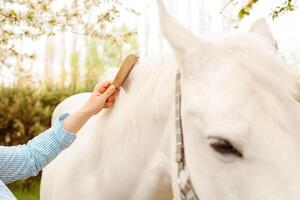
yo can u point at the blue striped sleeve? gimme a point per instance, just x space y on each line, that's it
23 161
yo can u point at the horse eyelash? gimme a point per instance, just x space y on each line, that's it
224 147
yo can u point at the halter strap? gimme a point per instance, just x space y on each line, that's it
187 191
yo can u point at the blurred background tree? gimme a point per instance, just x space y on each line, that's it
32 19
80 39
286 6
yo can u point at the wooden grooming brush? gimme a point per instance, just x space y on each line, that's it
125 70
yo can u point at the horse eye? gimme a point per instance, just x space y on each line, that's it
224 147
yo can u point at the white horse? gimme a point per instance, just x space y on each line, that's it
240 121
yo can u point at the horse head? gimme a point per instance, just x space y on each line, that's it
239 116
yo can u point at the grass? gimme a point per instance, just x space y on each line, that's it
25 191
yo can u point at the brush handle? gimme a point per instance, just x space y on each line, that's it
124 70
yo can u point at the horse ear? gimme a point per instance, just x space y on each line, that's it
261 28
177 35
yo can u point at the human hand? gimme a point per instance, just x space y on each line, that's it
103 96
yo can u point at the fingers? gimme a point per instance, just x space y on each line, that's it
109 91
108 104
111 98
102 87
114 95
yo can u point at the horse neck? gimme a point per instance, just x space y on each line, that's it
140 116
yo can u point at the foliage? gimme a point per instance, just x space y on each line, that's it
100 55
288 5
26 190
26 112
245 11
32 19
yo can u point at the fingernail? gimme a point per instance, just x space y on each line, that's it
111 88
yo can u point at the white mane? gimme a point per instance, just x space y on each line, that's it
150 93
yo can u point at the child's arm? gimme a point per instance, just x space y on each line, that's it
23 161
